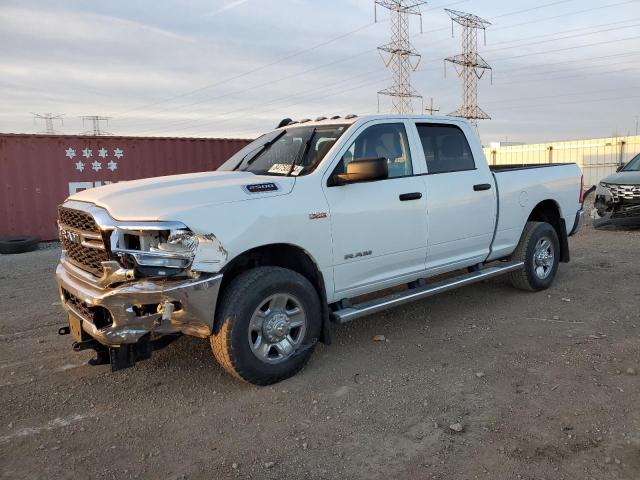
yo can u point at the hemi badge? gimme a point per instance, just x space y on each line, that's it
318 216
261 187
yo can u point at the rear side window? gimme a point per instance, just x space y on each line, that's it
445 148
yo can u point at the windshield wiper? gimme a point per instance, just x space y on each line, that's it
303 151
258 151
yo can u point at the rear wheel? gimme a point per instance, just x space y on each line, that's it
270 322
539 249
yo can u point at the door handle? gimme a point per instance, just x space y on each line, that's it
482 186
404 197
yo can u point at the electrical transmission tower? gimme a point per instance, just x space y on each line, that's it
470 66
48 122
400 54
96 129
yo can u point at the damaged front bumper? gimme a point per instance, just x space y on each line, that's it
135 311
612 209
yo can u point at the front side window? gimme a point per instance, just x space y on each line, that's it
387 140
445 148
294 151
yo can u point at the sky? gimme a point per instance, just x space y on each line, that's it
562 69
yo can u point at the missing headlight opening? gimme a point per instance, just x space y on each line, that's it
167 252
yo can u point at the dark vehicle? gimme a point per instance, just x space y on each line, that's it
618 197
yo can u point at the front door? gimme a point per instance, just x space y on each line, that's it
378 227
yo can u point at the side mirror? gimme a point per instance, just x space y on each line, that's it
364 170
620 167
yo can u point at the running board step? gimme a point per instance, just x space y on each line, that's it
356 311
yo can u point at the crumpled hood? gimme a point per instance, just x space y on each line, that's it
162 198
623 178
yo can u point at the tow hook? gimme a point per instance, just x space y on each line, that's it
125 355
102 352
165 308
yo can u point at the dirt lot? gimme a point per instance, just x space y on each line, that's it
546 386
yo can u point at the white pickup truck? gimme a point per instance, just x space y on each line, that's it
263 255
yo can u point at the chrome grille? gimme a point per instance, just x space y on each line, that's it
633 212
81 240
78 220
625 192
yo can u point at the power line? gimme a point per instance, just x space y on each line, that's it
350 57
198 124
589 101
275 62
320 97
203 102
611 72
564 70
340 82
569 48
248 72
568 94
526 10
250 109
548 64
560 38
205 87
574 30
564 15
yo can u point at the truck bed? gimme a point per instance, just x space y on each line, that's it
521 187
519 166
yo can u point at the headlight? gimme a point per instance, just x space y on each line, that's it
177 251
155 249
173 249
604 185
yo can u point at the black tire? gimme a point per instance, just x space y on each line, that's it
18 244
231 345
529 278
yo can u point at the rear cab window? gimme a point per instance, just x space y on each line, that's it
445 148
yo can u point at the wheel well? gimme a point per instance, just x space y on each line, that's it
280 255
548 211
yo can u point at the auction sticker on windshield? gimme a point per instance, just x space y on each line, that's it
282 168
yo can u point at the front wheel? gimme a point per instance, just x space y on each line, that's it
270 322
539 249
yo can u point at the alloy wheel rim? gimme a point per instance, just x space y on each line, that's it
543 258
277 328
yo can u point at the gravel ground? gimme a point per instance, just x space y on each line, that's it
544 386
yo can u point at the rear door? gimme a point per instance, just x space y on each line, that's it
378 227
461 197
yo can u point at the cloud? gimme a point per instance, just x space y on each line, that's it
228 6
160 67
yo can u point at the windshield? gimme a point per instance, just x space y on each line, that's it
294 151
633 165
